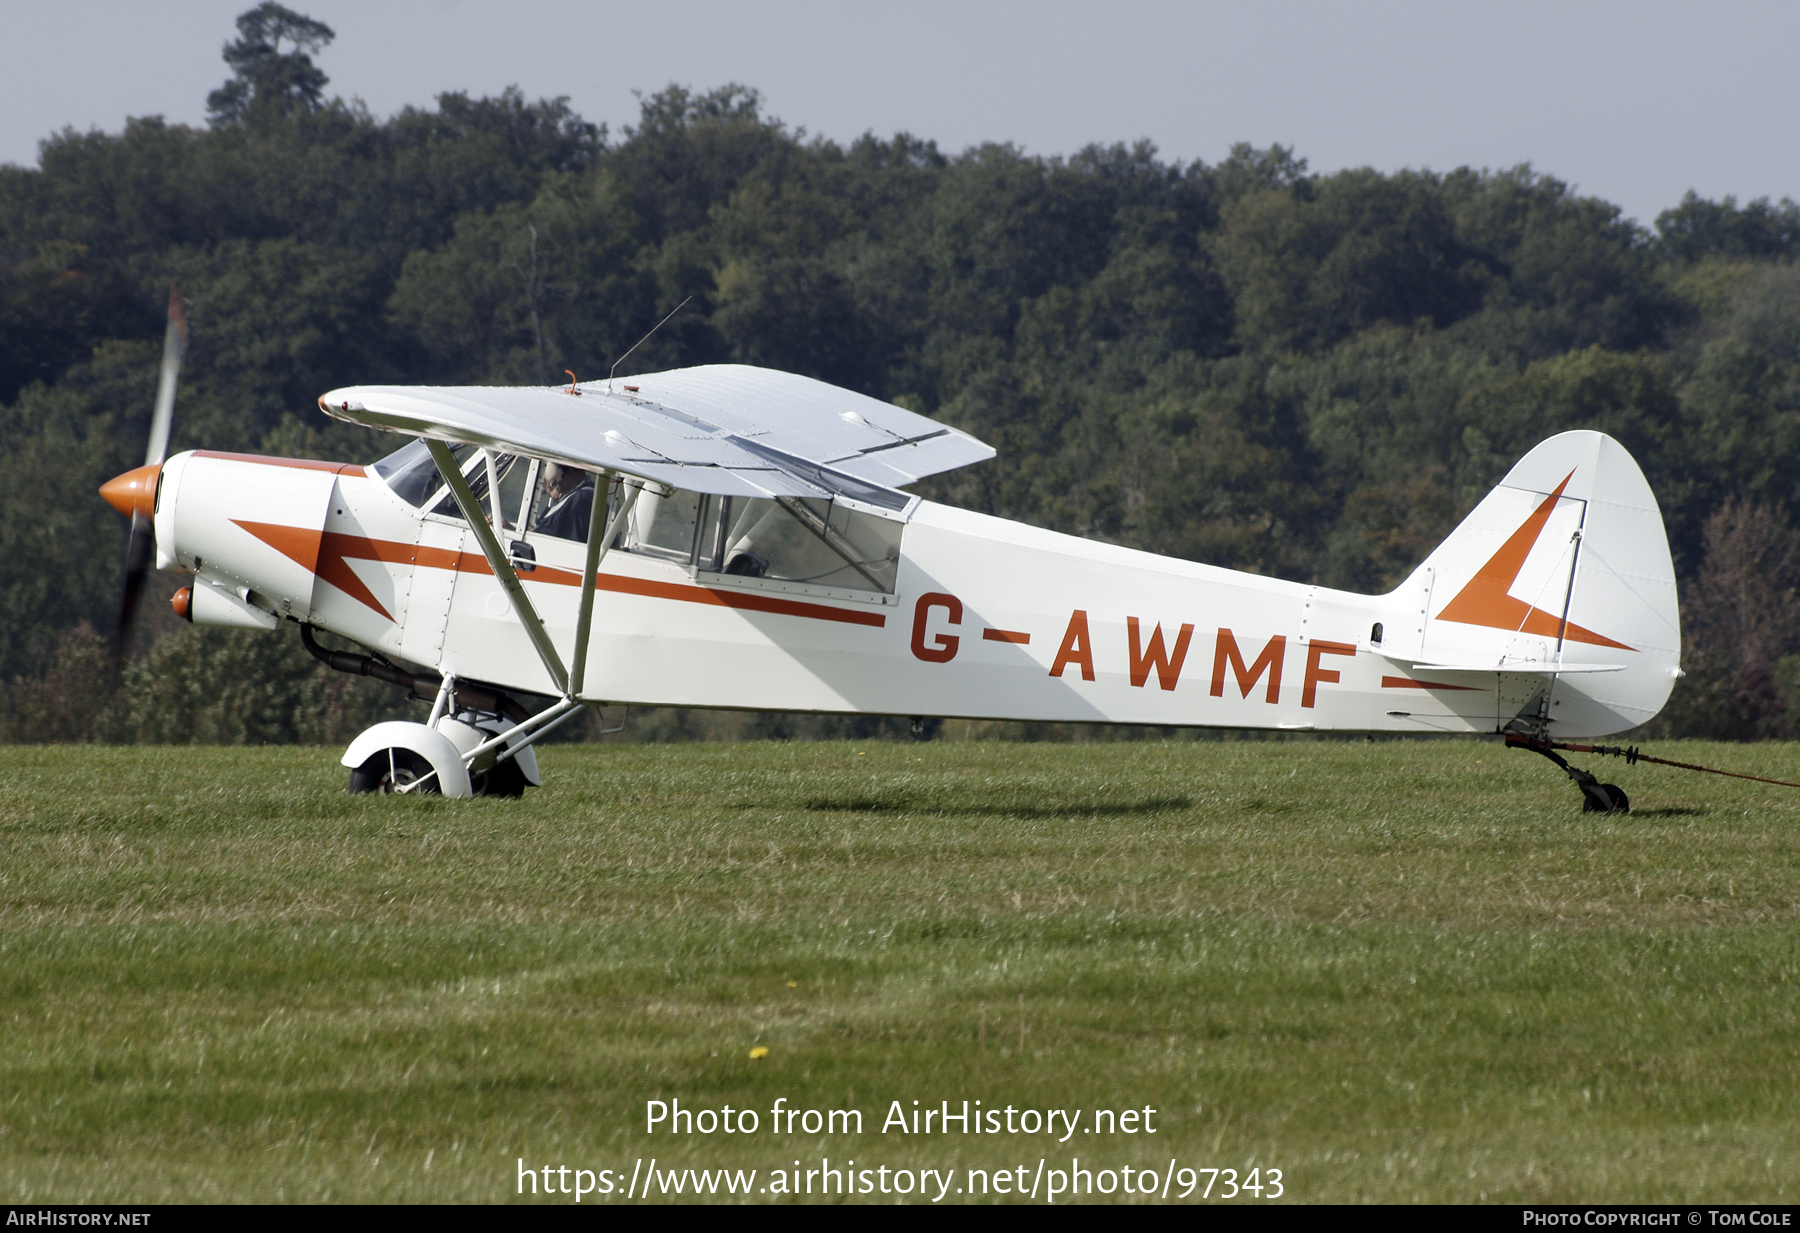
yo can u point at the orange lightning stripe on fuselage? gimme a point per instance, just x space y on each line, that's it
328 554
1485 600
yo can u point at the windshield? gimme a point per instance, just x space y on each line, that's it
410 472
412 475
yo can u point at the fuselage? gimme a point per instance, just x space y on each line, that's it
968 616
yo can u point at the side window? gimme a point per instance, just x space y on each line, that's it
661 526
787 539
563 505
515 475
792 539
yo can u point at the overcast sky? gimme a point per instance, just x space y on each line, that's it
1633 102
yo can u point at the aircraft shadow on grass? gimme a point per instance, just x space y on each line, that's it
1074 809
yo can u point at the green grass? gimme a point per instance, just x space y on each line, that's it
1400 971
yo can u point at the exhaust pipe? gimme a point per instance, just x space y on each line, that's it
422 685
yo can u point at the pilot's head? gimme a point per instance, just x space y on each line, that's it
560 481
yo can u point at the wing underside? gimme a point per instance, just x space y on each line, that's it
726 429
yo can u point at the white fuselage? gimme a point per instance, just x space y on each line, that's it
987 619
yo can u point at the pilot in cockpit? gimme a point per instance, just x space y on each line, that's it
570 496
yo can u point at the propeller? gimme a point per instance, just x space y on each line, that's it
134 493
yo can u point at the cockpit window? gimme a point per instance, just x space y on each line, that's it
410 472
412 475
508 468
564 506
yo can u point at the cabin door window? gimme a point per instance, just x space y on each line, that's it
802 540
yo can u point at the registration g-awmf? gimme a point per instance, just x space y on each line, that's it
728 536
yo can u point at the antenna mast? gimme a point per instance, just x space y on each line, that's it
640 342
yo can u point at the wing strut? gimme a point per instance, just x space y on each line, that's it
497 560
598 543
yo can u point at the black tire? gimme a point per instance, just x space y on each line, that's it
391 769
506 779
1604 798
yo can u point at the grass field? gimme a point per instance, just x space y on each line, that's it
1397 971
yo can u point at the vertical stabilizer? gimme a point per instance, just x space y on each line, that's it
1562 575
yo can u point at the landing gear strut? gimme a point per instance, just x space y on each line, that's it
1596 797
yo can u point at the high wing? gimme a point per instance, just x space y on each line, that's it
726 429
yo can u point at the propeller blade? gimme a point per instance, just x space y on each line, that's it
174 348
140 549
138 552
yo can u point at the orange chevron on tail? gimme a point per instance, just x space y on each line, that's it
1486 600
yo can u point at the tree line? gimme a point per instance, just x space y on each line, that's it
1312 376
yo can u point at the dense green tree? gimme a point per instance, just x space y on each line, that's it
1700 228
266 80
1741 641
1358 249
61 550
1310 375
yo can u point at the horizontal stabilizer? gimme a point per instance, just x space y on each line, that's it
1524 666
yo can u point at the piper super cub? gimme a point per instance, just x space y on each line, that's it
728 536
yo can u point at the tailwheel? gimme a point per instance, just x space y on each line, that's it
1604 798
1596 797
394 770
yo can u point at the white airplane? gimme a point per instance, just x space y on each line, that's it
733 537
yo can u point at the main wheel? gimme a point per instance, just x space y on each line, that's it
505 779
392 770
